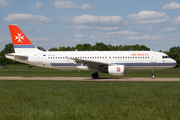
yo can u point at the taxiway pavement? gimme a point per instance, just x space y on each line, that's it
90 79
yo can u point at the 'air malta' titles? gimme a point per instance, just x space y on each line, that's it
139 54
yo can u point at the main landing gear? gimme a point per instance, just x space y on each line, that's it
152 72
95 75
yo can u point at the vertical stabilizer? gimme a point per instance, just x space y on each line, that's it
20 41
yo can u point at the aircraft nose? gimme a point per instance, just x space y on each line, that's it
174 62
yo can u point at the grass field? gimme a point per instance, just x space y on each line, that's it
22 70
51 100
75 100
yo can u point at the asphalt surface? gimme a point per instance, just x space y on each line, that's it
89 79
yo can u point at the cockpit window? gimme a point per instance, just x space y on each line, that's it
165 57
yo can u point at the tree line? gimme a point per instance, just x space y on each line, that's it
100 47
173 52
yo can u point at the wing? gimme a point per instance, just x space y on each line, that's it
91 64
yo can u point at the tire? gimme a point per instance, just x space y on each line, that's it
153 76
94 75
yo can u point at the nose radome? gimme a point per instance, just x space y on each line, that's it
175 63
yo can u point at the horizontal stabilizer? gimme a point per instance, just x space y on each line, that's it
16 55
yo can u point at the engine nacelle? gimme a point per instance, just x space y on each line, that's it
116 70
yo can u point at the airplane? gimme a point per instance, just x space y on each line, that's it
112 62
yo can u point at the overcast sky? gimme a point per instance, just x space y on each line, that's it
50 23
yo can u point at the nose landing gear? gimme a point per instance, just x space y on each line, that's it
152 72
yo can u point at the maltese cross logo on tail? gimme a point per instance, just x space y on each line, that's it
19 37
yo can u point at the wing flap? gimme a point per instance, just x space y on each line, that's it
90 63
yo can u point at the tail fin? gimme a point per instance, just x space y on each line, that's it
20 41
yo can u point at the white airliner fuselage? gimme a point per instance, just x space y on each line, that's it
112 62
141 60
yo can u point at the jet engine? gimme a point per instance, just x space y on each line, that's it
116 70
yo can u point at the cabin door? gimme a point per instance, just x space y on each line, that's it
153 57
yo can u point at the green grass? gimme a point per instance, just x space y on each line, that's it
22 70
51 100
